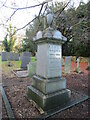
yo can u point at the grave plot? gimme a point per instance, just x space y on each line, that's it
25 60
15 89
46 93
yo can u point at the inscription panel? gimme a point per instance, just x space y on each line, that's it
49 60
54 60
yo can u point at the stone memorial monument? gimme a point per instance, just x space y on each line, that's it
4 56
11 56
67 64
25 59
31 68
25 54
48 89
78 70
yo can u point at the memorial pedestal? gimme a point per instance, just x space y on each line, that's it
49 101
48 89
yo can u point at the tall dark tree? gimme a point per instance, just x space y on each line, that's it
9 39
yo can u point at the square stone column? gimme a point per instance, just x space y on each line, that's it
48 89
49 60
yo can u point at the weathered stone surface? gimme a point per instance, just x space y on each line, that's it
31 68
25 54
25 61
49 65
4 56
78 68
67 64
49 85
12 56
50 101
16 56
48 88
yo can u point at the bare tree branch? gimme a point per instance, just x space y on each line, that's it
26 24
3 4
60 11
11 15
40 13
41 4
22 8
16 9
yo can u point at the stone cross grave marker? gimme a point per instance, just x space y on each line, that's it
67 68
78 68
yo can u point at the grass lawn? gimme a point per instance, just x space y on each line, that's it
15 65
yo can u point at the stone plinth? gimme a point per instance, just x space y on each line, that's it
49 101
48 86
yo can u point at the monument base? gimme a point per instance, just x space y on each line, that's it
48 85
50 101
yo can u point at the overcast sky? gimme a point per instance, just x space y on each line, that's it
22 17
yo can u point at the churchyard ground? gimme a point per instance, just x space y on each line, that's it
16 89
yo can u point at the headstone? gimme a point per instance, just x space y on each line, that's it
48 89
16 56
78 68
25 54
4 56
25 61
31 68
67 68
11 56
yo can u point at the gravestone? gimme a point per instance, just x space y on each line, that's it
67 68
31 68
11 56
25 61
25 54
78 68
15 57
48 89
4 56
